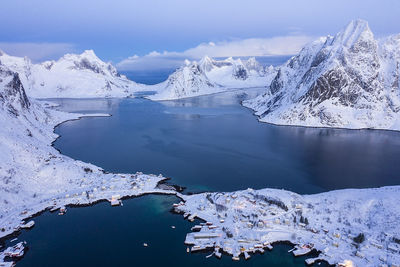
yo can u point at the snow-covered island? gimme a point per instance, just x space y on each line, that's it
72 76
35 177
350 80
353 227
209 76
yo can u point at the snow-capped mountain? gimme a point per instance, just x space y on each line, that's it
212 76
74 76
350 80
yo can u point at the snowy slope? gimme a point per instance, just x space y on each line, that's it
249 221
212 76
34 176
350 80
73 76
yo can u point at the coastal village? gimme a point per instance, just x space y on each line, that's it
248 222
338 228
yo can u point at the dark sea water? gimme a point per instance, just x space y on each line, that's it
213 143
107 236
203 143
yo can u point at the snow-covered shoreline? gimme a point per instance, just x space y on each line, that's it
95 186
350 225
280 124
195 205
36 177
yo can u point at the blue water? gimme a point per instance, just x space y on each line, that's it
203 143
105 236
213 143
146 77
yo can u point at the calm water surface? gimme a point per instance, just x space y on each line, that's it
104 236
213 143
204 143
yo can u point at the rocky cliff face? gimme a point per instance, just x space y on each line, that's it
349 80
75 76
12 93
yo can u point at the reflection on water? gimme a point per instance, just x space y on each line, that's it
213 143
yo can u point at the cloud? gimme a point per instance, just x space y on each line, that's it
37 51
282 45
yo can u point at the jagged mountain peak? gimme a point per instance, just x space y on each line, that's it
252 60
12 92
253 64
356 31
206 63
88 60
350 80
73 75
89 53
206 59
211 76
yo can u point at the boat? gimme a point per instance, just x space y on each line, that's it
218 254
63 210
303 249
115 202
15 251
28 225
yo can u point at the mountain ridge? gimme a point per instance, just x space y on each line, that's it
73 75
336 81
208 76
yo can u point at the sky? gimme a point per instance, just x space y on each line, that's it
159 34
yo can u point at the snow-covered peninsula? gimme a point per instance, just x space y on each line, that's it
350 80
210 76
34 176
72 76
353 227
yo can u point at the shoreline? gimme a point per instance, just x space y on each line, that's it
253 112
152 187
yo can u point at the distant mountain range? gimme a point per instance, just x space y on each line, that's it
75 76
349 80
212 76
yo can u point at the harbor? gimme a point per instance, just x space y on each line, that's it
77 233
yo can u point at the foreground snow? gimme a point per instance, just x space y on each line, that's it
211 76
72 76
350 80
333 223
34 176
